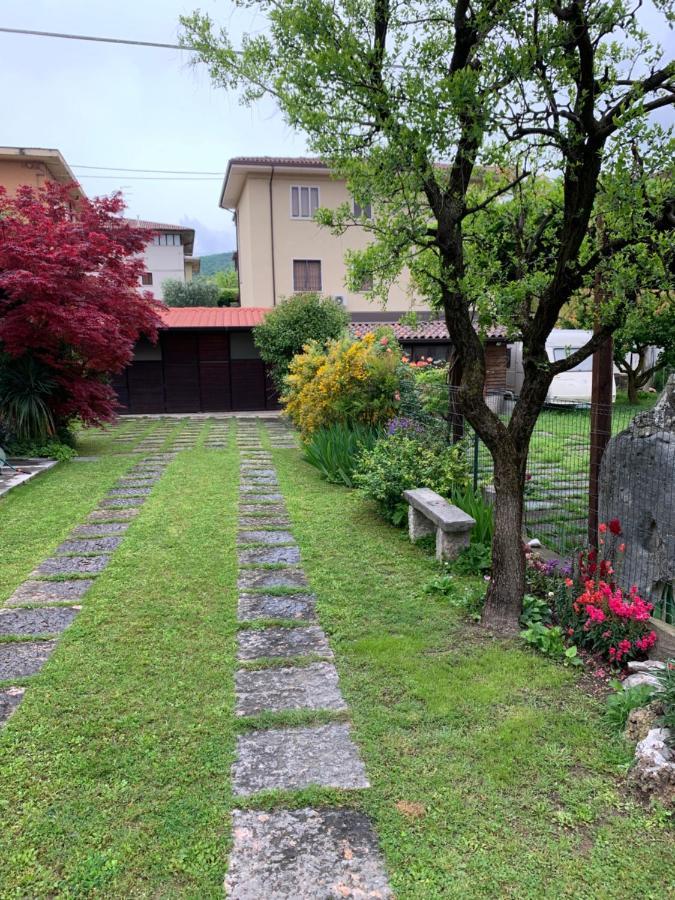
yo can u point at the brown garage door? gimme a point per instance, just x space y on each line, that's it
214 371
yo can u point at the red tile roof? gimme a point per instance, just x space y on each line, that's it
213 316
424 331
156 226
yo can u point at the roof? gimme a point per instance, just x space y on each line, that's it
425 331
51 158
239 166
188 233
213 316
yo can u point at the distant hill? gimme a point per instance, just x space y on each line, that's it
215 262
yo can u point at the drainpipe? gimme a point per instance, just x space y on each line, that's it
274 277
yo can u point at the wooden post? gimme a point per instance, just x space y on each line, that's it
601 415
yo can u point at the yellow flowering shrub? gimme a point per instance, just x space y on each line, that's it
348 381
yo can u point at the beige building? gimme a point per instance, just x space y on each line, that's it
168 254
34 167
281 250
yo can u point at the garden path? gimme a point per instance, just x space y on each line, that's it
286 664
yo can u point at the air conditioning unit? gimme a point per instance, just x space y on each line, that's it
339 299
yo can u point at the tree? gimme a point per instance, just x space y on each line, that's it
295 322
198 292
437 113
70 308
228 285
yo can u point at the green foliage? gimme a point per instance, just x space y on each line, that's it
198 292
476 559
228 287
535 610
666 692
471 502
410 319
295 322
621 703
334 450
213 263
48 450
26 386
456 593
398 463
432 387
549 641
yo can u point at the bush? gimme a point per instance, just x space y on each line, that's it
666 693
198 292
55 449
26 388
621 704
472 503
296 322
399 462
334 450
347 382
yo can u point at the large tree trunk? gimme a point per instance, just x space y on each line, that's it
632 386
503 602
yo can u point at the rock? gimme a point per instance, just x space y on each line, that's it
637 483
649 665
640 678
653 774
641 721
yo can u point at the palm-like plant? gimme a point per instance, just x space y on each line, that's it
25 388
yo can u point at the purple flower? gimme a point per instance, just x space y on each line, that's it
402 423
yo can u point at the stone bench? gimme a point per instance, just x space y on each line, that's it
428 512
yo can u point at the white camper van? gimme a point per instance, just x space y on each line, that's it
570 387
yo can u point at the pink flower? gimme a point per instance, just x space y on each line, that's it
602 528
384 341
622 548
397 396
568 582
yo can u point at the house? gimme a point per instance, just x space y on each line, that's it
204 361
168 254
34 167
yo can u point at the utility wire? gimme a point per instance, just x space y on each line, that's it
147 178
88 37
151 171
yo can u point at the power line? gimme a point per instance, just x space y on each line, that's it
89 37
147 178
151 171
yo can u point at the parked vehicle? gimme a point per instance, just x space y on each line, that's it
569 387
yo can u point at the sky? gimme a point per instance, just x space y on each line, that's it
138 107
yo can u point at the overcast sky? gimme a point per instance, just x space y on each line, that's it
135 107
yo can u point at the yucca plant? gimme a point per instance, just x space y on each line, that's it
472 503
333 450
25 388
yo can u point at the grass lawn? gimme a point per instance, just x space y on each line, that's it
492 774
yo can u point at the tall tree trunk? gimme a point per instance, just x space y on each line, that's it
503 602
632 386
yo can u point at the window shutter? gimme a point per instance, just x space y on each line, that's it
295 202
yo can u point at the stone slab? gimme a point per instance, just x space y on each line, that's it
100 530
129 491
273 643
36 621
90 545
262 520
24 658
296 687
296 758
260 498
111 515
121 502
49 592
265 537
259 579
9 700
72 565
267 606
268 509
305 854
261 488
261 556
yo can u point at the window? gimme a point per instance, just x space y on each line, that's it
146 278
306 274
166 240
564 352
366 210
304 201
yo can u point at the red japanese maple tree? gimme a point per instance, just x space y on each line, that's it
69 297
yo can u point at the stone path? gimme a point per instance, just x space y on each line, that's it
305 854
47 603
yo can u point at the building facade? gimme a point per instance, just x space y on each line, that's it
34 167
167 255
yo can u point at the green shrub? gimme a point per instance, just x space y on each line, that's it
476 559
400 462
666 692
334 450
549 641
198 292
297 321
472 503
49 450
622 703
26 387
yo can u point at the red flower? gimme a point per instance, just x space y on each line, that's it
615 526
602 528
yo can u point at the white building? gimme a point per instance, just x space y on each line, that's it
167 255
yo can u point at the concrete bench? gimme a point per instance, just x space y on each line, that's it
428 512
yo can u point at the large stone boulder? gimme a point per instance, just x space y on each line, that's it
637 486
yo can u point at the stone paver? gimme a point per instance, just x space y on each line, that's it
305 854
111 515
266 509
129 492
36 621
265 537
9 700
296 758
20 659
256 643
72 565
263 520
121 502
100 530
296 687
259 579
90 545
267 606
269 556
49 592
